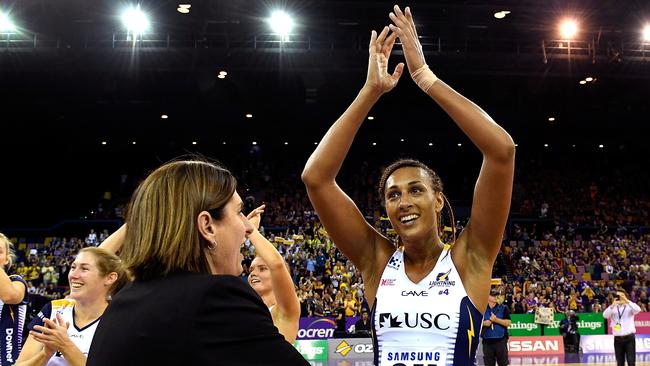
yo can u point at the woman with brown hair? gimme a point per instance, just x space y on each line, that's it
62 331
186 305
427 296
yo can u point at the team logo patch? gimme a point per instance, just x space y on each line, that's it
442 280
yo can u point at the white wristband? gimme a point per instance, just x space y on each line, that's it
424 77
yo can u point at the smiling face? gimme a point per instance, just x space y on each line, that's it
260 276
412 205
86 281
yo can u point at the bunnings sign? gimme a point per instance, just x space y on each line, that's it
524 325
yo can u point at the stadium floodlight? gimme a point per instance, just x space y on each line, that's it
135 20
281 23
568 29
6 25
646 33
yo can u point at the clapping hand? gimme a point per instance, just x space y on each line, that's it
378 79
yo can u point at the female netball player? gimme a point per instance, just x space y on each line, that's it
427 297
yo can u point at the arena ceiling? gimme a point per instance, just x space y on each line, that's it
70 80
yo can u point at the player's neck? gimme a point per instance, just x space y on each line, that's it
423 254
87 312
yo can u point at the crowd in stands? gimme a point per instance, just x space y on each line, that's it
578 239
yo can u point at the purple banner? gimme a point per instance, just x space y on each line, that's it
321 328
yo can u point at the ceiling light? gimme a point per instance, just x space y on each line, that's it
281 23
135 20
370 118
589 79
501 14
248 115
220 76
6 25
583 82
193 142
164 116
551 119
568 29
646 33
184 8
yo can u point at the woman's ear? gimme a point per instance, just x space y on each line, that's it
440 202
111 278
206 226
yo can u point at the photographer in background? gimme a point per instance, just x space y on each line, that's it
621 314
496 321
569 331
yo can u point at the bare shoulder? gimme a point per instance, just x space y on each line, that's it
475 270
384 249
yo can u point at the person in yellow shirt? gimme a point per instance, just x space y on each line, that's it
351 305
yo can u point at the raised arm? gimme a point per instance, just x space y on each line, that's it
11 292
340 216
493 190
114 242
286 312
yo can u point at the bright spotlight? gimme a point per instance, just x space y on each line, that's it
281 23
568 29
589 79
583 82
646 33
135 20
6 25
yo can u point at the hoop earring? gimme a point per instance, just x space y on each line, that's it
212 246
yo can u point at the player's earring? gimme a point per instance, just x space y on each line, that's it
212 246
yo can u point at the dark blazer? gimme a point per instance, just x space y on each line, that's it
189 319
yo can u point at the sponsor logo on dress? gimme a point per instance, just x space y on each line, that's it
388 282
440 321
394 262
415 293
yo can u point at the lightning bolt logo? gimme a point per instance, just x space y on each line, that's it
470 331
11 313
442 276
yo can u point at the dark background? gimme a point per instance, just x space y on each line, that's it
69 81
